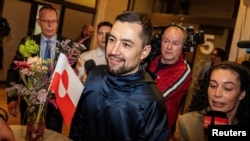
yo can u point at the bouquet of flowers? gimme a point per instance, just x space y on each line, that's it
34 89
34 74
71 49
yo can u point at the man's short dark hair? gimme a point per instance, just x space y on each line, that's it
147 27
221 53
104 23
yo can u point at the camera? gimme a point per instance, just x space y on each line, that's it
194 38
4 27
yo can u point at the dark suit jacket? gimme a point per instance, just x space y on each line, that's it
13 74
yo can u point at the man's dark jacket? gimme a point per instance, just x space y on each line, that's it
54 118
119 108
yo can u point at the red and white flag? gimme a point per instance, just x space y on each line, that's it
67 88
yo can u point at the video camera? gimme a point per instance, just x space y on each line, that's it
194 38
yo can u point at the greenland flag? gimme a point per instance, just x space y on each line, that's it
67 88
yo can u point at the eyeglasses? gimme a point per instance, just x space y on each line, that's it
48 21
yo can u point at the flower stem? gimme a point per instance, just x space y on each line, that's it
40 110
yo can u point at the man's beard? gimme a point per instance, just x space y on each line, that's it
120 71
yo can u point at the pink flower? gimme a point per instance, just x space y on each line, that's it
42 96
21 64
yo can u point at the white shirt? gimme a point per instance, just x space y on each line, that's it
98 55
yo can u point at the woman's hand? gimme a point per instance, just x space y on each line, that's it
12 108
5 131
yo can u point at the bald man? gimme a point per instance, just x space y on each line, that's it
86 35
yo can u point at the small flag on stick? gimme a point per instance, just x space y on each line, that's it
67 88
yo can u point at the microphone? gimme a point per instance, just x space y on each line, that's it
244 44
214 118
89 65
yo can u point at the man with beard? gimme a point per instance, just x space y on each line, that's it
120 101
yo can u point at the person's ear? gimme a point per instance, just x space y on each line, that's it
242 95
38 21
145 52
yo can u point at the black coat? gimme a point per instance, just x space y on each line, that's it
124 108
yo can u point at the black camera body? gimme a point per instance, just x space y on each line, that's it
155 47
4 27
194 38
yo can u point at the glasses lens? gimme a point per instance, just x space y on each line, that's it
48 21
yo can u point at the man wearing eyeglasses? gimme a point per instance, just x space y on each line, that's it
217 56
48 22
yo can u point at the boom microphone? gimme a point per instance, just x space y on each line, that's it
214 118
243 44
89 65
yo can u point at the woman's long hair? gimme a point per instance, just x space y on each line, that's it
199 100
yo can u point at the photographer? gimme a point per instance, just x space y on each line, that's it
171 71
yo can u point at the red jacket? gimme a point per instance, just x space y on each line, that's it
173 81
